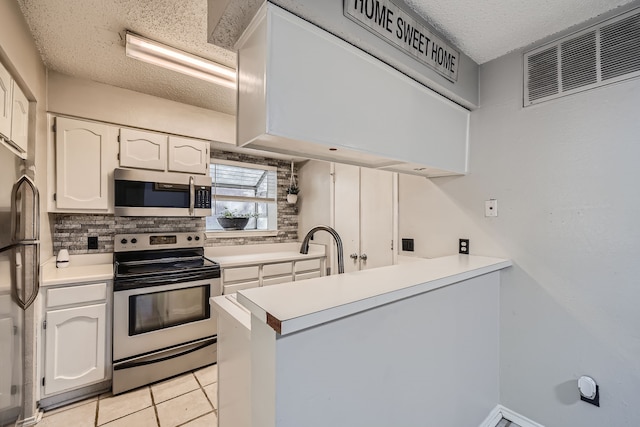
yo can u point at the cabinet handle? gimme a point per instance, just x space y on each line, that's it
353 256
363 257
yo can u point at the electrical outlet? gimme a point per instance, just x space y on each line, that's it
407 245
463 246
92 242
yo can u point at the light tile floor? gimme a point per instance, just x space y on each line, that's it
188 400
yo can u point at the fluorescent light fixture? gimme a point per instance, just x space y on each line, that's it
165 56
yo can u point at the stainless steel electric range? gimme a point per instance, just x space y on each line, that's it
162 321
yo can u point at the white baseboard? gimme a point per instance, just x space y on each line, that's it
500 412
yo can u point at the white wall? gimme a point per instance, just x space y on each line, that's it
565 175
87 99
428 360
315 205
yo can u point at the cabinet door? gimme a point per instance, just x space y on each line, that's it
75 347
347 215
188 155
144 150
83 151
5 102
376 218
19 119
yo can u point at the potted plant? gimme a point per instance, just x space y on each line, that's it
233 220
292 193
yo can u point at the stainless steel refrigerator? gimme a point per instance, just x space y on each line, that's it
19 277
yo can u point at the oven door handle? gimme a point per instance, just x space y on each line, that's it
147 283
133 364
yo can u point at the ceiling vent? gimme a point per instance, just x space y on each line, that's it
599 55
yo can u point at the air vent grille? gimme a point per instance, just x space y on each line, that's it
599 55
543 73
620 47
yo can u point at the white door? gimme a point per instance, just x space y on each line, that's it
5 102
188 155
19 119
75 347
143 150
376 218
347 215
82 153
364 216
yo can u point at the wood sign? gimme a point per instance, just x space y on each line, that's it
392 24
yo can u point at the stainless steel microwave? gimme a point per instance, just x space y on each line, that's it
148 193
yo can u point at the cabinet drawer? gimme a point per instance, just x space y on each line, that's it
276 269
276 280
229 289
309 275
239 273
311 264
57 297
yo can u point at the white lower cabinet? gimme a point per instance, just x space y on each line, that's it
235 279
76 337
76 347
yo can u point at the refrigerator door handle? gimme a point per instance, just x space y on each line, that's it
34 241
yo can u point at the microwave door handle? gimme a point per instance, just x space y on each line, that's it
192 196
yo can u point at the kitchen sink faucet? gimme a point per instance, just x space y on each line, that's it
304 249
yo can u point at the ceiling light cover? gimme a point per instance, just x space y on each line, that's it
155 53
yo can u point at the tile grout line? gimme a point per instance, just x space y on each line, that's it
155 408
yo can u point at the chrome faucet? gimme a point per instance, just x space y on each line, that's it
304 249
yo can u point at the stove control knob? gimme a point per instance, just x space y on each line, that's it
123 241
189 238
134 240
197 238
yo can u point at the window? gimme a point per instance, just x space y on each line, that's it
244 189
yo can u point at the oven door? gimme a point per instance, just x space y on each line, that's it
152 318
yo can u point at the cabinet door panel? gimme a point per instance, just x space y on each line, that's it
19 119
188 155
75 347
82 151
376 218
347 214
144 150
229 289
5 102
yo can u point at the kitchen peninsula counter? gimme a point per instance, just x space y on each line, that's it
289 308
423 335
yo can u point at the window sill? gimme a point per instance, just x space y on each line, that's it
240 233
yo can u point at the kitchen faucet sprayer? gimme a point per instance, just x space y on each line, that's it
304 249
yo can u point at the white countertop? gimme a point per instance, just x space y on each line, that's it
246 255
82 268
291 307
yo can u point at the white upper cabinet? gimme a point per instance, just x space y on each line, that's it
156 151
143 150
188 155
85 160
304 91
6 83
19 119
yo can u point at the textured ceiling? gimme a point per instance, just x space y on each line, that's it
487 29
83 38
